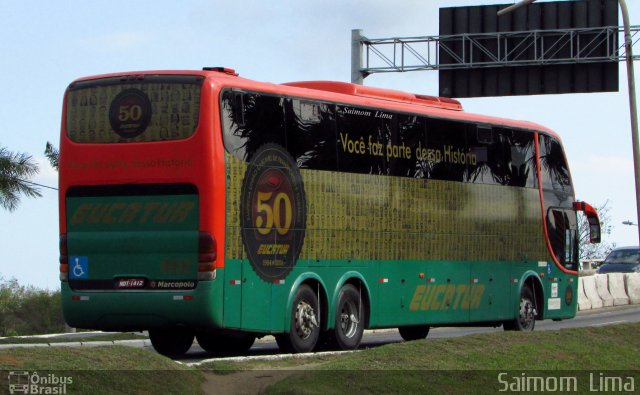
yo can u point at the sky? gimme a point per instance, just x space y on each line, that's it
47 44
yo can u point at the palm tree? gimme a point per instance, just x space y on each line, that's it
53 154
15 169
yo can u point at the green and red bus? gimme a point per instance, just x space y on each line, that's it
202 204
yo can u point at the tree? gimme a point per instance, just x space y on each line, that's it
52 153
602 249
15 169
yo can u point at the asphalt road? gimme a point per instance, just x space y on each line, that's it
595 318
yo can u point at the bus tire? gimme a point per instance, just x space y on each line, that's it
221 343
410 333
171 342
349 324
304 328
526 320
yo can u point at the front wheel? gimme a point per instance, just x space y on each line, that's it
349 325
171 342
526 320
304 328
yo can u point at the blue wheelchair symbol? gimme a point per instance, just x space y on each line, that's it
79 267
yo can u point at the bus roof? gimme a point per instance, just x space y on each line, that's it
343 92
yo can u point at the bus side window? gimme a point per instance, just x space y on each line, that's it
238 109
553 166
311 136
448 155
361 140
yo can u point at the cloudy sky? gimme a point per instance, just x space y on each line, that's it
47 44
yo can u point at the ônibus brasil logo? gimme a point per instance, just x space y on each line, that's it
272 212
22 382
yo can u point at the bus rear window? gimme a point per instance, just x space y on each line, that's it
118 110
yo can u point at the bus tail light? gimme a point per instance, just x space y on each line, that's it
64 258
206 256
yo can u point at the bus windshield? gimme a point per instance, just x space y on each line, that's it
144 109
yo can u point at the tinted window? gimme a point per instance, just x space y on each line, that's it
629 256
407 150
155 108
311 135
362 138
447 152
325 136
503 156
252 121
562 228
553 166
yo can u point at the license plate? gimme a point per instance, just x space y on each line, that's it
129 283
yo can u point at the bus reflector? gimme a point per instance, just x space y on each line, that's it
279 282
77 297
235 282
183 297
383 280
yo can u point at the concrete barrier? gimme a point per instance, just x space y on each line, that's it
590 291
602 288
616 289
632 286
583 301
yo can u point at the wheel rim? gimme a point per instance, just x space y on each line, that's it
527 313
305 319
349 319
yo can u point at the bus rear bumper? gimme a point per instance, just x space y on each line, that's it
138 310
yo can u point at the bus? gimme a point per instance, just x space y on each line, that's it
199 204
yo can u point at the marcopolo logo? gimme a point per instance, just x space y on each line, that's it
273 212
22 382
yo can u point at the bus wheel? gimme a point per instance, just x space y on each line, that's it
526 320
218 343
305 327
349 325
410 333
171 342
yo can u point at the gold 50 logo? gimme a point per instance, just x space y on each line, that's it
273 212
130 113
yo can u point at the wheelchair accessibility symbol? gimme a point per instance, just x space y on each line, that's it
79 267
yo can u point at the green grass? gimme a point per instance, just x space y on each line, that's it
83 339
469 364
106 370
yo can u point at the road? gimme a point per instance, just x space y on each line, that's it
592 318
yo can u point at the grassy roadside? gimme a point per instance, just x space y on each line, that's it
468 364
82 339
104 370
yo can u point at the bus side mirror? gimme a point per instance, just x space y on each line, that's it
592 219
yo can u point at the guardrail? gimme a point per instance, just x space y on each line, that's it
605 290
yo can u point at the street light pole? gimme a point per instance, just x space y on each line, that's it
628 43
632 104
